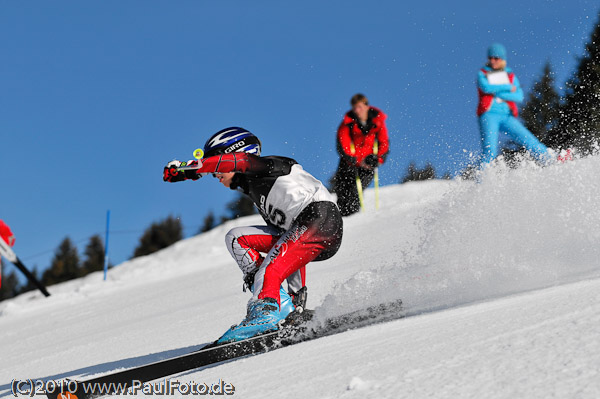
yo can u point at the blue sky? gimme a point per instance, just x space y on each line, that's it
98 96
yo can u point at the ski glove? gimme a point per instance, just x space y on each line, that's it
372 161
349 159
172 174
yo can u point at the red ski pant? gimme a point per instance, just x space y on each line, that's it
247 245
315 235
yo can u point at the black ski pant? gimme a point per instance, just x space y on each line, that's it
345 186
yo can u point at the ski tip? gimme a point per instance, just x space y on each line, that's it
67 389
63 395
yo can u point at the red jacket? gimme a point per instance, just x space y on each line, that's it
485 100
357 142
6 234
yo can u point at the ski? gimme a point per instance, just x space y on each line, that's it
296 328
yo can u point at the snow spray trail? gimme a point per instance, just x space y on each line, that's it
515 231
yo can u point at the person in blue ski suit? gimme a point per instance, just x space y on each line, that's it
497 110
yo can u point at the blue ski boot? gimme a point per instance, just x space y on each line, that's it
263 316
287 306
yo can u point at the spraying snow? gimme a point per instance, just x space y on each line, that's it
514 231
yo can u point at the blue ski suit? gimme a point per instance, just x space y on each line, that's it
499 118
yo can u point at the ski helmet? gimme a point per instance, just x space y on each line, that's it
232 139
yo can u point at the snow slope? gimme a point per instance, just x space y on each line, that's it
501 279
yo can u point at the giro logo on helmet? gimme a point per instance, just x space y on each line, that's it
234 147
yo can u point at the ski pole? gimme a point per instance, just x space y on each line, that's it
376 177
8 253
376 188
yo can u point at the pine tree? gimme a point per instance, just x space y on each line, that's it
10 284
159 235
64 266
579 123
94 255
415 174
208 223
541 111
241 206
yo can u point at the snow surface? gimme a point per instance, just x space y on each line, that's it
501 280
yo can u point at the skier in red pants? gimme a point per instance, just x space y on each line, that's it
303 223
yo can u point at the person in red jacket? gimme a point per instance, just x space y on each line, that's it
363 145
7 234
9 239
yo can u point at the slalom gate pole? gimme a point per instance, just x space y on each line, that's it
106 244
8 253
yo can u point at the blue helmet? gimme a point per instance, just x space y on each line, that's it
232 139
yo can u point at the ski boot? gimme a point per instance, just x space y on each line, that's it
250 327
263 316
287 304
